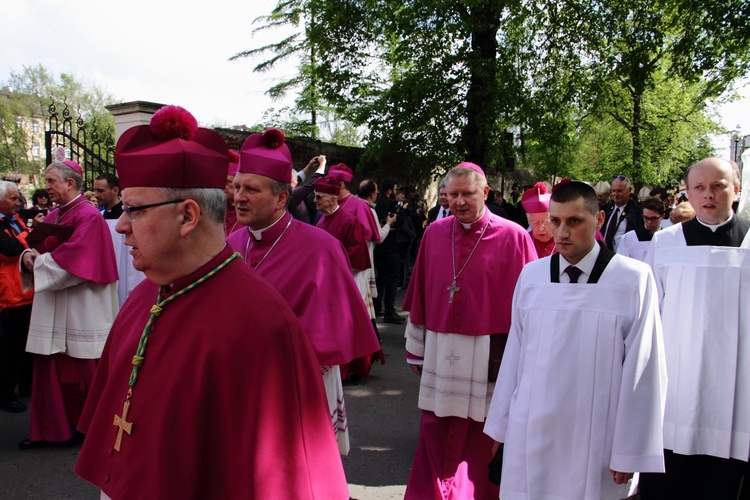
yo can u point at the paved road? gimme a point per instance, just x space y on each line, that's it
383 427
383 423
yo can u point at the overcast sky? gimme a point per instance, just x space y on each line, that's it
170 53
147 50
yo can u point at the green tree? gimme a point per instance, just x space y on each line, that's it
28 94
21 103
649 81
589 87
300 15
419 75
15 154
340 131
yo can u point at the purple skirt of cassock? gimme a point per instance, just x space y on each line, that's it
451 461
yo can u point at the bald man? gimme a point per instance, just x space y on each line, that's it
702 271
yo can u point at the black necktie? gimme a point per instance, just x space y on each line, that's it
609 235
443 212
574 273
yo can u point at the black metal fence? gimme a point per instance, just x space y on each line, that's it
90 144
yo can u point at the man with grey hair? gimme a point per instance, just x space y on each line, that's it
459 302
442 209
621 214
702 271
224 386
74 273
15 303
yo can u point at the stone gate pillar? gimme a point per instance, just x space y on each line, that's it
131 114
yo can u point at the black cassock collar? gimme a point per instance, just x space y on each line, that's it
602 260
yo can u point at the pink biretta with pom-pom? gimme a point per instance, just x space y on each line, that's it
536 199
341 172
268 155
172 151
328 185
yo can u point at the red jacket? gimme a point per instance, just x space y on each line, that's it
11 247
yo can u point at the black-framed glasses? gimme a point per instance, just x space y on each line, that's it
131 210
651 219
619 178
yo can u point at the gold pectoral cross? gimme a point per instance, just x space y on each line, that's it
453 289
123 424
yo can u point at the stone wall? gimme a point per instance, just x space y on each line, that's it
302 149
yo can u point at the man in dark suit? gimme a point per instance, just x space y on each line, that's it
387 258
621 214
494 207
442 209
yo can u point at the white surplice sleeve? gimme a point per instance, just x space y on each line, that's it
637 444
49 276
496 423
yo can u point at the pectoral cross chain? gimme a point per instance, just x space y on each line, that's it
453 289
123 424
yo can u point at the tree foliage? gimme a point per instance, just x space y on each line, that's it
28 94
298 15
648 82
26 98
15 155
588 87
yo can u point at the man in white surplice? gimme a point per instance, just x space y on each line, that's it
75 303
702 271
580 395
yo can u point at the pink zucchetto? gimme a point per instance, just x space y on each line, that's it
473 166
234 161
341 172
75 166
172 151
328 185
536 199
268 155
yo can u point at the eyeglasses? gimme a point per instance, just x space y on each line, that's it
619 178
131 210
651 219
540 223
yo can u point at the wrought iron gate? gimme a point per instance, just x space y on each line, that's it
91 144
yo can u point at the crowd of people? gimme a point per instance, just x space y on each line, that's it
198 325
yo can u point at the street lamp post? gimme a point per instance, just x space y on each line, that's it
736 137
